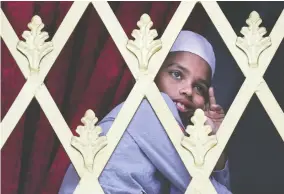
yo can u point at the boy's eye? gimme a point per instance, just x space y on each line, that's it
200 90
176 74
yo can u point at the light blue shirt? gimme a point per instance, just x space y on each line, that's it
145 159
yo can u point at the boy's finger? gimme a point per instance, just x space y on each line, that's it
217 108
212 99
207 107
215 115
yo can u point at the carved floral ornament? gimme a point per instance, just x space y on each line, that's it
253 43
89 143
144 46
199 142
34 47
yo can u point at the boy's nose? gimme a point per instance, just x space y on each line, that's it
186 91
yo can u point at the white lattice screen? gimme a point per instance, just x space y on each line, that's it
145 86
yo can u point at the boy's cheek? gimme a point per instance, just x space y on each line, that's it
200 102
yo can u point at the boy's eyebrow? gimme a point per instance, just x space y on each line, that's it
205 82
179 67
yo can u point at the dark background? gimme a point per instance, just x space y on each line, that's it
256 151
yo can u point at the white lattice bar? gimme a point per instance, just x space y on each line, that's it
228 35
226 32
11 40
115 132
16 111
45 100
117 33
34 86
175 134
242 99
276 36
174 27
272 108
88 184
62 34
120 124
170 125
229 123
59 126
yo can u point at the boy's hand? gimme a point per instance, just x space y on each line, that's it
215 115
214 112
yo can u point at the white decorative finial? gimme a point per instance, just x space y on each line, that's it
90 142
35 47
144 46
199 142
253 42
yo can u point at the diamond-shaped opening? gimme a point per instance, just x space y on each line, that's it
256 151
11 158
40 153
160 13
84 75
274 75
237 12
12 79
51 13
19 14
16 151
226 67
228 77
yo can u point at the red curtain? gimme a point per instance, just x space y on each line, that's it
88 74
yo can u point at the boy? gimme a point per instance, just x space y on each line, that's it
145 160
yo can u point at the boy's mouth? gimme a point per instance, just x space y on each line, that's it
181 107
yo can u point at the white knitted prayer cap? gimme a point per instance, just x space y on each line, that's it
192 42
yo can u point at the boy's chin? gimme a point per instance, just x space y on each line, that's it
185 118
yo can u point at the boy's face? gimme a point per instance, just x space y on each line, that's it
186 78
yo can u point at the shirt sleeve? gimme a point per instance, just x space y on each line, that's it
223 176
155 143
144 147
129 169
